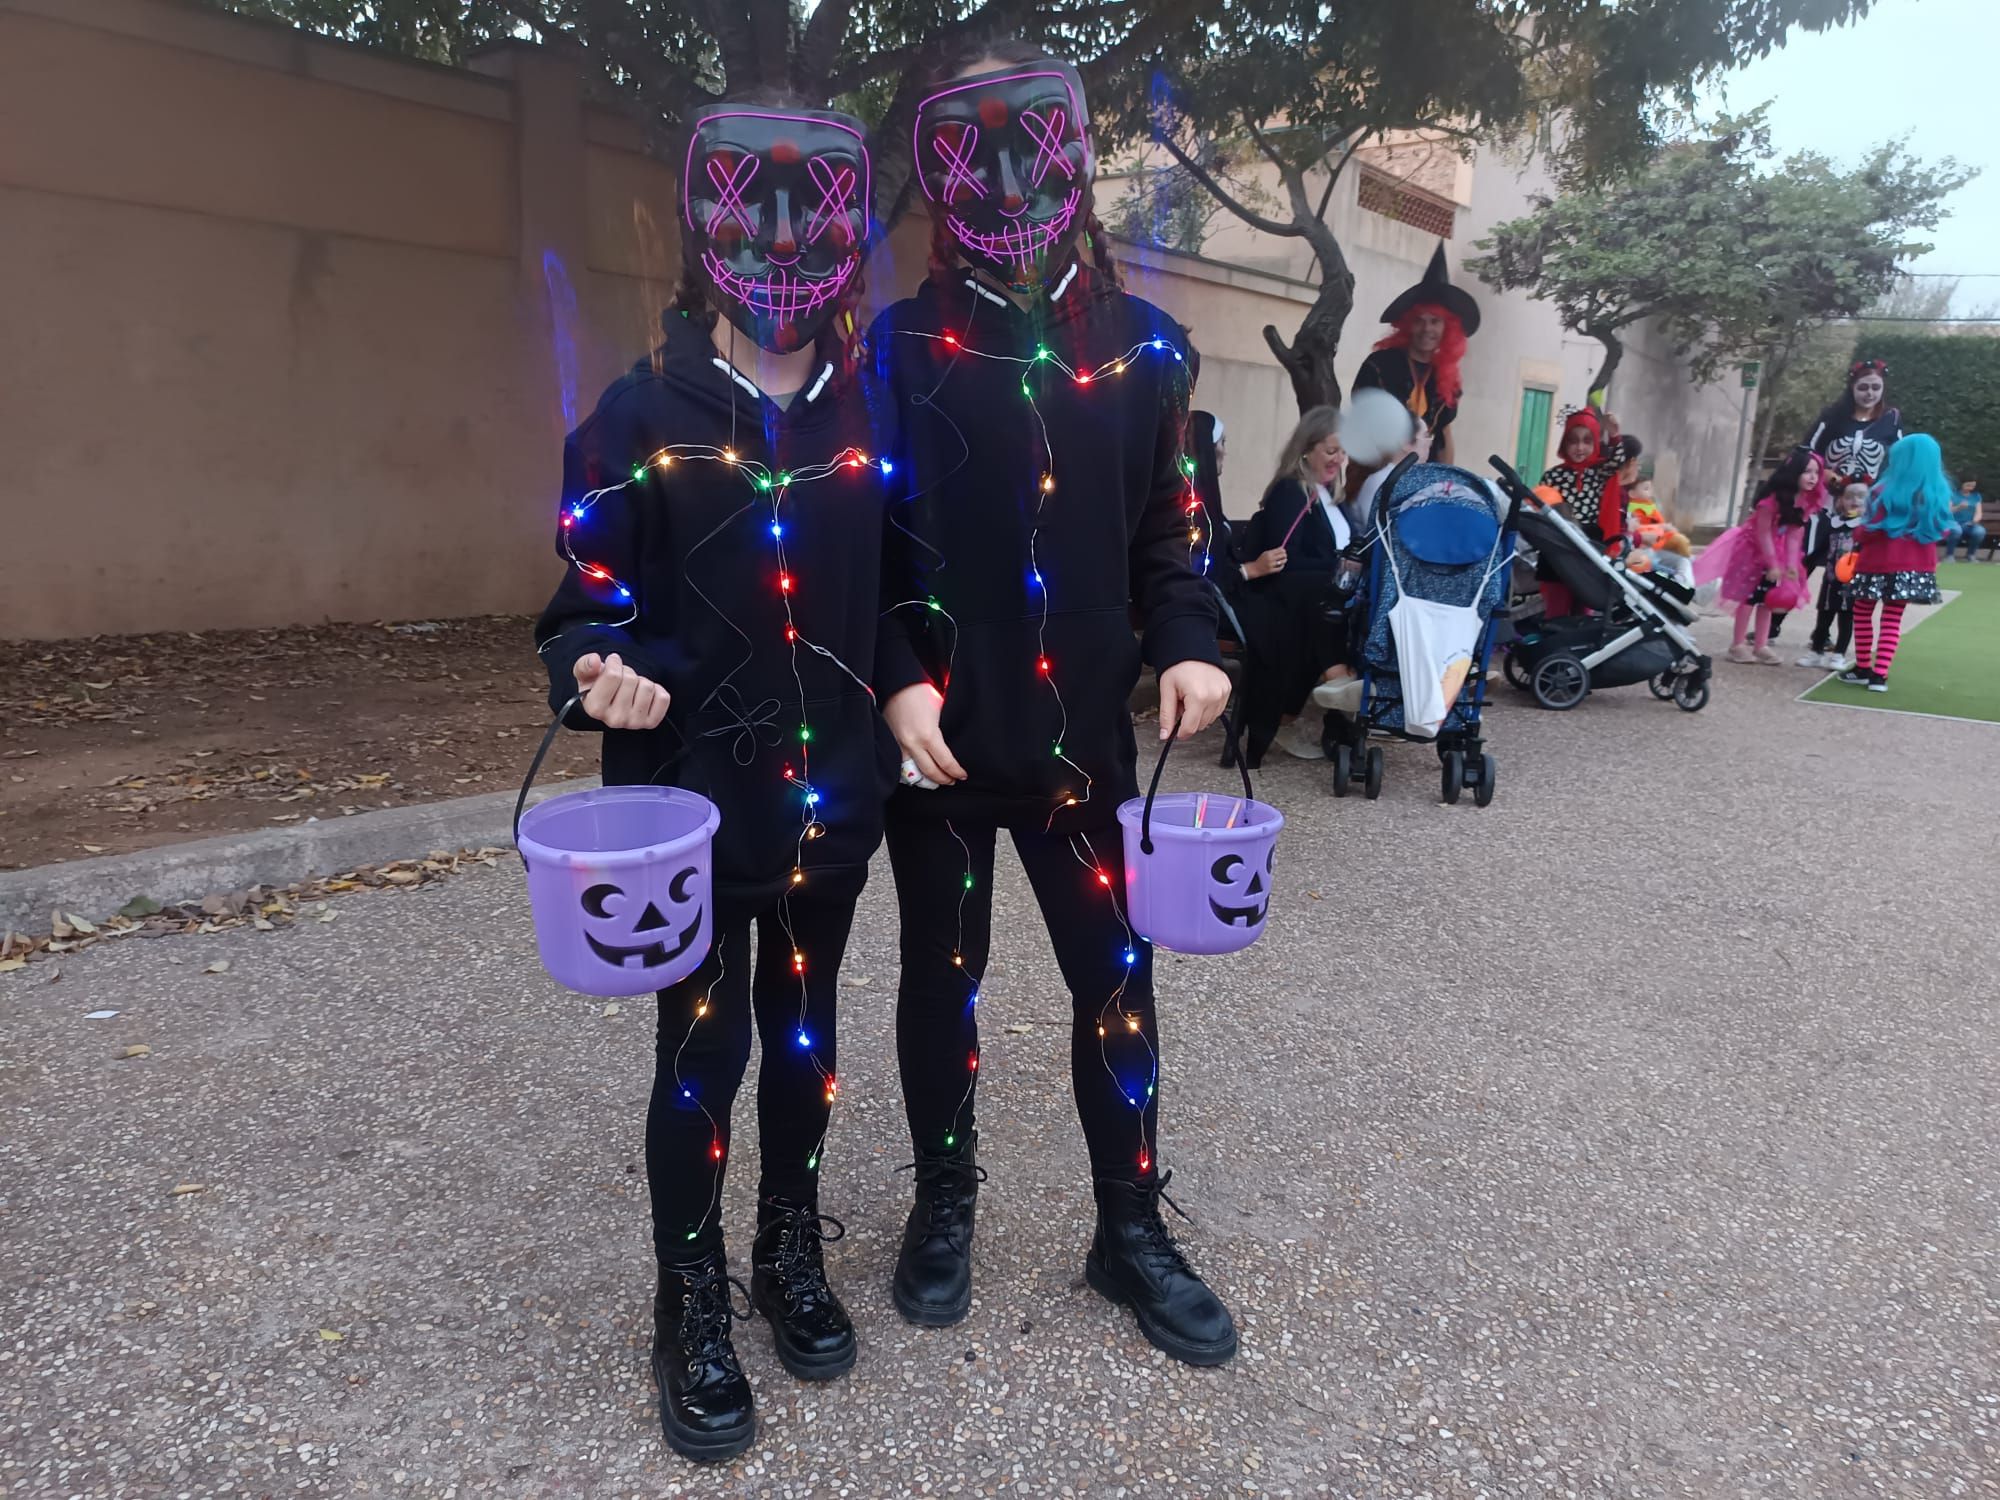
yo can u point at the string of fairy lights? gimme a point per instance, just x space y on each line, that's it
774 487
770 487
1113 1017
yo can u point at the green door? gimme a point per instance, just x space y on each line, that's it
1531 448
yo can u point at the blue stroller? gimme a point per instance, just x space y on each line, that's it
1437 578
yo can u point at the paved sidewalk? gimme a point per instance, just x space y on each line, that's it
1623 1139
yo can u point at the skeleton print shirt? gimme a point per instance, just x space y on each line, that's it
1853 447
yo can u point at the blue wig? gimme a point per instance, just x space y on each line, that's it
1914 497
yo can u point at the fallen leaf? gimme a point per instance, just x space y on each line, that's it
80 925
1019 1028
402 877
858 981
263 924
614 1009
331 1335
220 966
9 965
137 1049
140 906
328 914
181 1190
100 1015
59 929
93 848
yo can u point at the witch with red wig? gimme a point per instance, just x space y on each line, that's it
1418 364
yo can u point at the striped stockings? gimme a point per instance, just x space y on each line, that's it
1872 652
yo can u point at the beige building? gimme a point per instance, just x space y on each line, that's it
294 331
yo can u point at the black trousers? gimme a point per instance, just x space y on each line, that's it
703 1051
1823 624
944 887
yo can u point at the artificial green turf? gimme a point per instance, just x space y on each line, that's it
1949 664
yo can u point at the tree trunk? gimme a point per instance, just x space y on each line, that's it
1614 354
1309 358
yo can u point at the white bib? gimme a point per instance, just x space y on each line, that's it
1435 645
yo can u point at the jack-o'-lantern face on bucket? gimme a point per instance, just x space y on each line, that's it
649 938
1242 893
1006 158
776 204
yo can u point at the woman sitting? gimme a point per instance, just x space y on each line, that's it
1299 561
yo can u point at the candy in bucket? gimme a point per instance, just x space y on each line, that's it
1199 866
619 879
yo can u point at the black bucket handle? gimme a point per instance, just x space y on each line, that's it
1235 754
541 754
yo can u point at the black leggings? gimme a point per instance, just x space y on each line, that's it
703 1051
944 887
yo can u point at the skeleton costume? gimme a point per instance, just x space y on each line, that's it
726 544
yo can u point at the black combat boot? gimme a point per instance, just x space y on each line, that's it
1133 1260
788 1286
933 1281
705 1404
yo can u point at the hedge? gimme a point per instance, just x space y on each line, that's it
1949 386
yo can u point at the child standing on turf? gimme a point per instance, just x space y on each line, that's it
1907 517
1833 535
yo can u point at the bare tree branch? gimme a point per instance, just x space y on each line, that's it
819 46
1226 198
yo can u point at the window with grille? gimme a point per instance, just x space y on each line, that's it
1382 194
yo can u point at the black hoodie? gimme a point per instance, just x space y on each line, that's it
694 543
971 528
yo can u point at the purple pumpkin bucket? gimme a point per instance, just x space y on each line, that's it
1199 866
619 879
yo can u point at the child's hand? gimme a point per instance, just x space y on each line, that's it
618 697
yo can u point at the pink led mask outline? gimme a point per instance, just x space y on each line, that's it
779 293
1020 243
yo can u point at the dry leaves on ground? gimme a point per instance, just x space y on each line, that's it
262 907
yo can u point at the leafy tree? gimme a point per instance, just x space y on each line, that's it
1308 82
1739 255
1302 82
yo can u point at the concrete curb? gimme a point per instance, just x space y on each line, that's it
276 856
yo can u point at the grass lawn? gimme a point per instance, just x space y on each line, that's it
1949 664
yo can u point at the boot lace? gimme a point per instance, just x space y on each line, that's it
799 1266
707 1309
1160 1248
941 1182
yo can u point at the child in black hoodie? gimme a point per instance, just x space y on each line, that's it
1044 498
722 521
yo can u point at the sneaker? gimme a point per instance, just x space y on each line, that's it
1857 676
1342 695
1833 661
1301 737
1811 659
1765 656
1877 683
1740 652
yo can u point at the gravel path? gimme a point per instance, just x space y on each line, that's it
1613 1141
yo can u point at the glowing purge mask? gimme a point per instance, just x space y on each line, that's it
1006 158
776 201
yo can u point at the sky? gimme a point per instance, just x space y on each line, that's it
1915 68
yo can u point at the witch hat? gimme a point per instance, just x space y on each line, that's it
1436 290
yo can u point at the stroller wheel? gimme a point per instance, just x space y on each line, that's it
1371 784
1690 697
1453 775
1482 788
1343 769
1517 675
1561 681
1663 686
